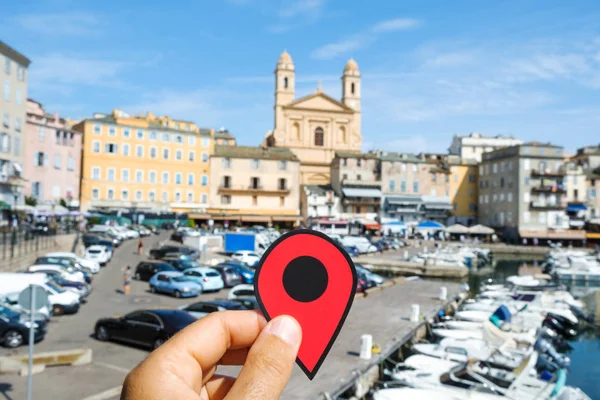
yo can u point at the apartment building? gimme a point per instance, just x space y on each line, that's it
472 146
222 136
522 193
319 202
464 174
144 162
355 179
52 157
13 105
587 159
436 188
253 185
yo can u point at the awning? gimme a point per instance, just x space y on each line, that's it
370 225
17 167
593 235
402 200
438 206
256 218
284 218
333 222
4 205
457 229
481 230
361 192
430 225
576 207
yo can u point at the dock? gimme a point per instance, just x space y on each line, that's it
383 313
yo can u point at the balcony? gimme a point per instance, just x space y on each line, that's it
543 206
362 201
548 189
548 173
253 190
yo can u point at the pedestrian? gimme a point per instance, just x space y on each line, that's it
140 247
127 280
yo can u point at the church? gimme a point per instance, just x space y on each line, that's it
314 127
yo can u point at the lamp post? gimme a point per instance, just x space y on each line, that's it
16 189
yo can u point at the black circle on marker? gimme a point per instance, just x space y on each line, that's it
305 279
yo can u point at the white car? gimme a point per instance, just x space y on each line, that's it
91 264
209 278
246 256
97 253
243 290
69 274
127 233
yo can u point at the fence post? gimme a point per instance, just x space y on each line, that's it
13 239
37 242
4 245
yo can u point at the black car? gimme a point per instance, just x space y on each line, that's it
43 228
146 269
149 328
90 240
181 264
364 280
162 251
249 302
203 308
229 275
14 332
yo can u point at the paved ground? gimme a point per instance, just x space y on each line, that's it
111 361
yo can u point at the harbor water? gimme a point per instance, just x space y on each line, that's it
585 350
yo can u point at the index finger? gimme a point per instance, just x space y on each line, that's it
200 346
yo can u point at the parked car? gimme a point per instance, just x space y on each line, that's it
246 256
81 289
178 256
98 253
43 228
92 239
203 308
229 275
245 272
14 330
360 242
66 272
181 264
162 251
174 283
243 290
351 250
150 328
370 275
152 229
92 265
249 302
69 265
365 282
208 278
146 269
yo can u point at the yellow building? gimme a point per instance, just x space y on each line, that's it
464 178
144 162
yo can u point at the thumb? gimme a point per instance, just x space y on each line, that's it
270 361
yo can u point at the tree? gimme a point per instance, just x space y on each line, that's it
63 202
30 201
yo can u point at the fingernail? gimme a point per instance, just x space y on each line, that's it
286 328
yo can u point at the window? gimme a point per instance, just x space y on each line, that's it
152 176
165 154
403 186
205 142
190 197
190 179
138 195
191 156
542 218
4 143
6 122
96 173
204 180
6 90
95 194
165 178
110 174
139 151
281 201
126 133
192 140
416 186
178 138
57 161
392 185
527 163
165 197
177 197
204 198
112 131
526 181
526 217
502 182
358 162
97 129
502 196
344 177
139 134
56 191
509 197
204 157
510 165
358 177
152 196
139 176
226 163
226 199
18 124
152 152
471 178
285 82
226 182
433 177
255 164
70 163
255 183
110 194
111 148
17 146
526 197
178 178
18 96
254 200
282 184
455 178
319 137
124 175
95 146
152 135
414 167
166 137
125 194
57 141
178 154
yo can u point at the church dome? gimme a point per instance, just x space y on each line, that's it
285 61
351 66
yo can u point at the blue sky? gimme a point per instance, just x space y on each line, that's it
431 69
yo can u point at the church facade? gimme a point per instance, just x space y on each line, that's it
314 127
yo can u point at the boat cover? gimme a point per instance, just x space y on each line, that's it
503 314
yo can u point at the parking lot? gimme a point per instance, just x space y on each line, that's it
111 361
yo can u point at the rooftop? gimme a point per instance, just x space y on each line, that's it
261 153
14 55
403 157
109 119
319 190
223 134
478 135
540 144
349 154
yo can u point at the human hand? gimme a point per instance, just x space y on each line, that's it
184 367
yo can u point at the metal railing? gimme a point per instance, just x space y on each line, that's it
20 242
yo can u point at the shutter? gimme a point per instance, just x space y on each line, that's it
36 159
45 159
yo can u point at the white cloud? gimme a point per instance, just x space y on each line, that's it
362 39
71 23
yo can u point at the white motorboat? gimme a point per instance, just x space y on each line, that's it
412 393
491 333
462 325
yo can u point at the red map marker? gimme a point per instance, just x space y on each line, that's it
306 275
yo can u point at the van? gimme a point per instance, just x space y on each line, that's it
61 301
361 243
